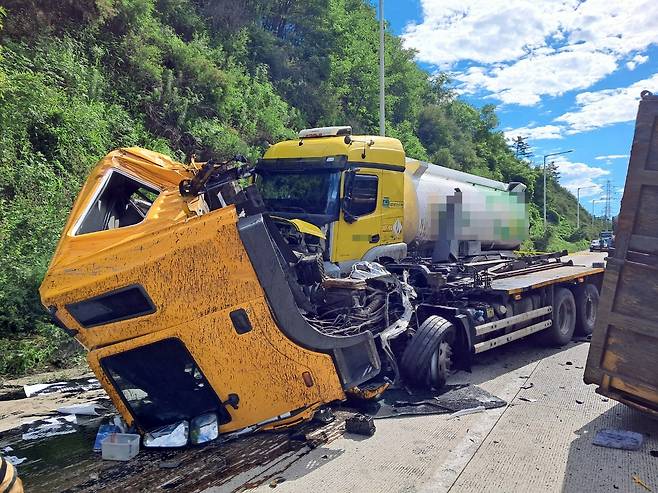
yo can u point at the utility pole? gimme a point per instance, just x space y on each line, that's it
578 203
382 107
546 156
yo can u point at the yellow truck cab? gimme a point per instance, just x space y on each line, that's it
304 179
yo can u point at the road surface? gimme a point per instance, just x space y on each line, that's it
541 441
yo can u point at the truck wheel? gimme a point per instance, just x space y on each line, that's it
587 303
564 319
427 358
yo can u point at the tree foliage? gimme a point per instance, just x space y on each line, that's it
205 77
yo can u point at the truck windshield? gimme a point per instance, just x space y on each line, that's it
301 192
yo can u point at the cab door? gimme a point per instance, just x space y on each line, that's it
359 226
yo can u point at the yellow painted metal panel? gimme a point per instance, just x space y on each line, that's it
352 240
384 150
262 366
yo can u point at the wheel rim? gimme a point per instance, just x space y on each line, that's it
564 313
441 362
590 311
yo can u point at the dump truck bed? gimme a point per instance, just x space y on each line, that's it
622 359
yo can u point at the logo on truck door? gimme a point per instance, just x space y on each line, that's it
393 204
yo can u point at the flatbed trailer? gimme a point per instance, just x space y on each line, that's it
524 296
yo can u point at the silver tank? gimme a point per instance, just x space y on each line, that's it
484 210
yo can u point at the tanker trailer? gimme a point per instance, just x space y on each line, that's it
449 212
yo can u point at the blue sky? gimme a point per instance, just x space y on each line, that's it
566 74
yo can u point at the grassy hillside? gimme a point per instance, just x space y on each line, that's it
206 77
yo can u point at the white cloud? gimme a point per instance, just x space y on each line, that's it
521 50
606 107
610 157
635 61
536 133
594 110
580 175
485 32
525 81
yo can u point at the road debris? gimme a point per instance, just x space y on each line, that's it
403 402
277 481
175 435
638 481
527 399
120 446
620 439
528 386
360 424
324 415
71 386
103 432
14 461
49 427
169 464
465 412
88 409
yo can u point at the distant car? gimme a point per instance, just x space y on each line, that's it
596 245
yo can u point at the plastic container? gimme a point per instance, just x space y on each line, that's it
120 446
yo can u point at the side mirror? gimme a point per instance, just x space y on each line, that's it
204 428
348 188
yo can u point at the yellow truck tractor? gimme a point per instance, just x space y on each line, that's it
217 298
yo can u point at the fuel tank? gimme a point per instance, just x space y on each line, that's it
446 203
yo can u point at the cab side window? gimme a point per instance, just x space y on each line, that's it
364 195
123 201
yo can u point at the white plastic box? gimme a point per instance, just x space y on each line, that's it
120 446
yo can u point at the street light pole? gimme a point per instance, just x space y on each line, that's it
578 203
594 201
382 106
546 156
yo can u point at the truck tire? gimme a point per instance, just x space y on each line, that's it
426 360
587 303
564 319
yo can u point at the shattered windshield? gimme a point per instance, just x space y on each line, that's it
305 192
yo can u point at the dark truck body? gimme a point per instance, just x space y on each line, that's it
623 357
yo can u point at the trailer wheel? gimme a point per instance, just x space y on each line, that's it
587 303
427 359
564 319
